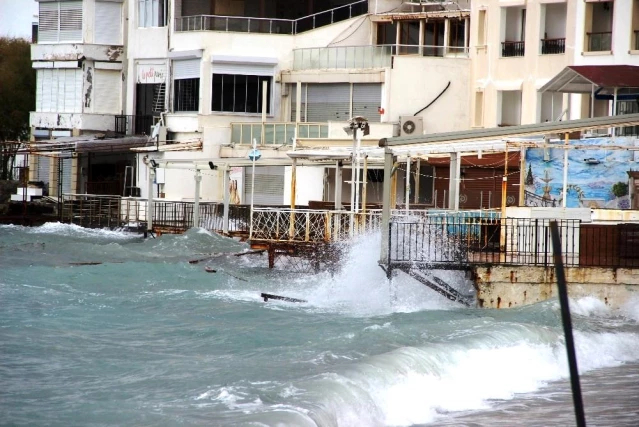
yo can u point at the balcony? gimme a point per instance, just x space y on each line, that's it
243 24
553 46
343 57
600 41
134 125
275 133
512 48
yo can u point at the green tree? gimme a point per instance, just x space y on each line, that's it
620 189
17 98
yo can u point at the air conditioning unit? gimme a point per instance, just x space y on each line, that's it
411 125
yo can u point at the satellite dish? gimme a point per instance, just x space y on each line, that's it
254 154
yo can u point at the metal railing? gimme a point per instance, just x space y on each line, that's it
599 41
553 46
463 242
534 200
275 133
337 57
134 125
245 24
513 48
96 211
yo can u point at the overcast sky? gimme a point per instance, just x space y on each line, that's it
16 17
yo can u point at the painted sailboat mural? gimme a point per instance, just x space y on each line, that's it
597 177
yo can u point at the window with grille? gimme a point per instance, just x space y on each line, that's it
151 13
186 94
235 93
60 22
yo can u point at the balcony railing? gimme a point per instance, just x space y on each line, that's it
134 125
601 41
553 46
509 49
329 58
275 133
245 24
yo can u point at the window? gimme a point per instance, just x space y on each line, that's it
186 84
59 91
151 13
108 23
186 95
60 22
457 35
599 24
239 93
386 33
323 102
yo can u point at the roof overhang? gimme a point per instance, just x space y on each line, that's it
582 79
89 144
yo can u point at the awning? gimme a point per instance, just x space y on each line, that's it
91 144
582 78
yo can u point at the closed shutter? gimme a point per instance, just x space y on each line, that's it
48 22
73 91
330 101
367 98
478 187
293 98
106 95
44 91
269 185
243 69
70 21
186 69
67 165
108 23
44 167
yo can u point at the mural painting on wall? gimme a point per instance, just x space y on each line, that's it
597 177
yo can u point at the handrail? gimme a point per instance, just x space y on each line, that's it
291 26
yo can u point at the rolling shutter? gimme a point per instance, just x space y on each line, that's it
329 101
49 19
243 69
196 7
108 23
67 165
106 95
186 69
269 185
70 21
59 90
44 166
367 98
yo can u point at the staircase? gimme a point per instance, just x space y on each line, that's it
438 285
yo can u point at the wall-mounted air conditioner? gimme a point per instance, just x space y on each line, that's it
411 125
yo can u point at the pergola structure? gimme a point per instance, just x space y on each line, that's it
481 140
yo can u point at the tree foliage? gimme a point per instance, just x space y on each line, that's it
17 98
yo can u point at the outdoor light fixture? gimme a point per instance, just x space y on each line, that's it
154 164
212 166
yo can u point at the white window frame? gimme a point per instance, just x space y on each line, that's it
62 20
149 13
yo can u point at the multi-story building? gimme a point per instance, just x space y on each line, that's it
520 48
199 68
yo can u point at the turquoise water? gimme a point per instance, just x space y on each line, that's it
145 338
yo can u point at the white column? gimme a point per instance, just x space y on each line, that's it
149 205
407 191
453 181
338 186
227 199
196 199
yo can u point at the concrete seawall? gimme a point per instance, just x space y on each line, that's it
517 285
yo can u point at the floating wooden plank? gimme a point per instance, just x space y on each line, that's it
195 261
257 252
280 297
85 263
210 270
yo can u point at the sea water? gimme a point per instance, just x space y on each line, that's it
104 328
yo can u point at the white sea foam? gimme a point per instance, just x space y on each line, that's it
417 385
77 231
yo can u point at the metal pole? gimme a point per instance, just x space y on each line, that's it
418 174
522 175
196 200
567 324
338 186
353 161
389 159
365 184
252 186
357 169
